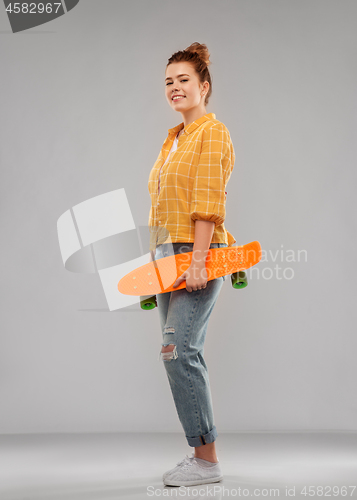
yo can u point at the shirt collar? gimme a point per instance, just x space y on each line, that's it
193 125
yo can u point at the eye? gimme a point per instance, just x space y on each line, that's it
170 83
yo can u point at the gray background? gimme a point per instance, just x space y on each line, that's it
83 112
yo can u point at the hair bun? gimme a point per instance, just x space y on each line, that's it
201 50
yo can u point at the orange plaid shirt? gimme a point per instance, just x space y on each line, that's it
192 183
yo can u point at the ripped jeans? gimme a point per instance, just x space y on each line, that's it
184 319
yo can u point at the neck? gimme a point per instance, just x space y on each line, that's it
193 114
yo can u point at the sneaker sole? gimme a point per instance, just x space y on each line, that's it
168 482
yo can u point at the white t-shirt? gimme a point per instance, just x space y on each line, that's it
173 148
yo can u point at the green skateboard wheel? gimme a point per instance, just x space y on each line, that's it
239 279
148 302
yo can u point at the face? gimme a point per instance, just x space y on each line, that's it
186 85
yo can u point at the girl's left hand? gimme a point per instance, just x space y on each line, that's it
193 283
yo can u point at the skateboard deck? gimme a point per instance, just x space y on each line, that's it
159 275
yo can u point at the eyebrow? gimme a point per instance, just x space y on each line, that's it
178 76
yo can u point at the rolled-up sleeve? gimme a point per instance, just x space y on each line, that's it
208 201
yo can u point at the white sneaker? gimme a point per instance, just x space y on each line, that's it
194 471
186 459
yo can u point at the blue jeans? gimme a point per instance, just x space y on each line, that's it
184 319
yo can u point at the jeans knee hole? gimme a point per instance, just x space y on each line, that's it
169 355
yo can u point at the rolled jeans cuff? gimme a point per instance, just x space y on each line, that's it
203 439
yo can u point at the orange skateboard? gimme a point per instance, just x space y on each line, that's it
159 275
